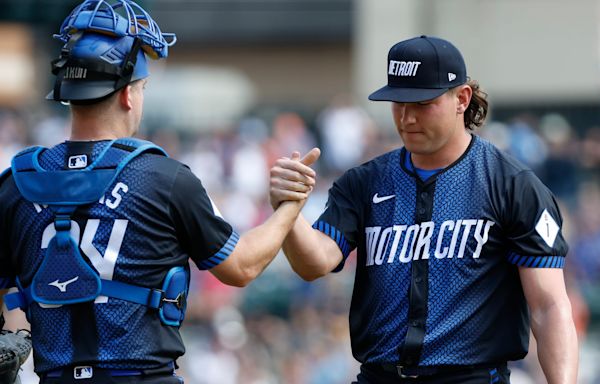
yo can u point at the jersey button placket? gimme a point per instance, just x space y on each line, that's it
410 351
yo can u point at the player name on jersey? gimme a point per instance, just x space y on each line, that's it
416 241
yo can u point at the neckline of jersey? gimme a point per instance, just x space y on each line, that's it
421 175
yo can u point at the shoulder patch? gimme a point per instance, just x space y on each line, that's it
547 228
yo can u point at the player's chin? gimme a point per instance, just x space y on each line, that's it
412 135
415 142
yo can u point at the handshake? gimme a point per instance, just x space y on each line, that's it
292 179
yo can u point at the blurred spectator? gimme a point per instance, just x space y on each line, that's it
346 132
13 133
560 170
498 133
590 153
289 133
249 172
586 242
205 164
525 144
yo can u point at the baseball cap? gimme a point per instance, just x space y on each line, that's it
421 68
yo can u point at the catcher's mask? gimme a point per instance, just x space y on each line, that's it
106 44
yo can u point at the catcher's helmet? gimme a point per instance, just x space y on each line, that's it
106 43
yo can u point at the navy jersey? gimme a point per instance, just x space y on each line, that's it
156 215
437 278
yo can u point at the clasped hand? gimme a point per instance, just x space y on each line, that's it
292 179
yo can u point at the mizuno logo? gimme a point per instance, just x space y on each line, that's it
377 199
63 286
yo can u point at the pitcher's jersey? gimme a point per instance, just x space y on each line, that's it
437 278
155 216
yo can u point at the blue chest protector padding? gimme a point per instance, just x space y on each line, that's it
64 276
64 267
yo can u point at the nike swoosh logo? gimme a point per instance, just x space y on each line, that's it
377 199
63 286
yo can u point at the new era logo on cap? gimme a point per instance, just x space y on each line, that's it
421 68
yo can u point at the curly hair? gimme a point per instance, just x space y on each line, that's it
477 110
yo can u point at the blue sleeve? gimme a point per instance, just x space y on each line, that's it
206 237
343 215
535 224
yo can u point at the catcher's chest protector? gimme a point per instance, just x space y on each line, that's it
62 192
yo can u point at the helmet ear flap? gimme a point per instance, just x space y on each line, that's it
129 65
59 65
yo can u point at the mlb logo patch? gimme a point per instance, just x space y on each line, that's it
78 161
85 372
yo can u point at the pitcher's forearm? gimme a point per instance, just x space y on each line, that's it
311 253
558 350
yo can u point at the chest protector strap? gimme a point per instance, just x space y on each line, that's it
63 265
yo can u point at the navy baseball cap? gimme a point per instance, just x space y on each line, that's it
421 68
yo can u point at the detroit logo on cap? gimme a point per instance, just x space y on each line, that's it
403 68
421 68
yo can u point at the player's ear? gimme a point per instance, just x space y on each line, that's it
124 96
463 98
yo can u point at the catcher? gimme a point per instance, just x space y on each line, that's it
97 232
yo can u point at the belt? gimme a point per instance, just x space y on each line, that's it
84 371
87 371
413 372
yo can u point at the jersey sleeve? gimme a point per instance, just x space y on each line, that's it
341 218
534 224
203 233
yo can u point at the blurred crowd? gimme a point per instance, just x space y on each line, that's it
281 329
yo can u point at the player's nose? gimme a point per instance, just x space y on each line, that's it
404 113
